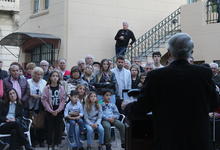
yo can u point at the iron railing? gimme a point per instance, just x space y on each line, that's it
153 39
213 11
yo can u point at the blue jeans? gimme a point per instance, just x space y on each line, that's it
120 51
112 99
74 132
90 134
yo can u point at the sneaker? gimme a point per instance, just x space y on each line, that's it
81 148
122 145
89 148
4 146
100 147
108 147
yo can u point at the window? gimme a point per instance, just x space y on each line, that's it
46 4
36 6
191 1
43 52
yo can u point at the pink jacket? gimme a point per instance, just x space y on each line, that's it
47 99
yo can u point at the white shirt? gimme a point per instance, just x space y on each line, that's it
123 78
36 86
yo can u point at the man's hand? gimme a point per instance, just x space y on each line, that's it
111 120
121 38
94 126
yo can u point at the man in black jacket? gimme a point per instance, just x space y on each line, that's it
180 97
122 39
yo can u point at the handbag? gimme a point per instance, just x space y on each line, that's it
1 88
39 120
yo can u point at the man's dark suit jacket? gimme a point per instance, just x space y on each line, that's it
180 97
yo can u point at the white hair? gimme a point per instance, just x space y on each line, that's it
124 23
81 61
89 56
128 62
180 46
62 59
213 65
44 62
36 70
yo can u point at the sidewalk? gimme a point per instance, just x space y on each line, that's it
116 145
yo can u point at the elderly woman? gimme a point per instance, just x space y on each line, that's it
75 79
29 68
11 113
37 85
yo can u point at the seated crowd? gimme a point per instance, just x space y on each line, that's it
87 99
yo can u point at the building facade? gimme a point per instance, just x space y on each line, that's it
9 18
88 27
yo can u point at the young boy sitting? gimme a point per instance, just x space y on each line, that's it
73 114
110 118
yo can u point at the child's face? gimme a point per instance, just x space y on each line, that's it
142 79
54 77
74 99
93 98
107 96
81 90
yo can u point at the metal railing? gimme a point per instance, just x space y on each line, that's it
213 11
153 39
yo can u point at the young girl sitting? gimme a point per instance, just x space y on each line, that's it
93 117
53 100
73 114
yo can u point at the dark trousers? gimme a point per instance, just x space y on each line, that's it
54 125
17 137
120 51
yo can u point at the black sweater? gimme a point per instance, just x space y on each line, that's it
128 34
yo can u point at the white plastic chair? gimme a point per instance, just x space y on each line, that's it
113 127
26 133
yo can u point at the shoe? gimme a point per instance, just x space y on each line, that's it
89 148
108 147
4 146
122 145
100 147
29 148
42 144
81 148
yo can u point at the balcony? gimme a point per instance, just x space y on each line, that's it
9 5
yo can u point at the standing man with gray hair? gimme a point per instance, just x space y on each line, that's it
180 97
45 66
122 39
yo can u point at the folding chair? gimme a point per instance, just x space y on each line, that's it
27 133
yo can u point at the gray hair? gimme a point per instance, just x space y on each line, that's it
180 46
128 62
37 69
44 62
62 59
124 23
81 61
89 56
213 65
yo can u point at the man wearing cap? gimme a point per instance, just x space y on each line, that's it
122 39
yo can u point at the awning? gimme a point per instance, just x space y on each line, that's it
27 40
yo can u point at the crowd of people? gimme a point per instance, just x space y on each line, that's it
86 99
90 96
